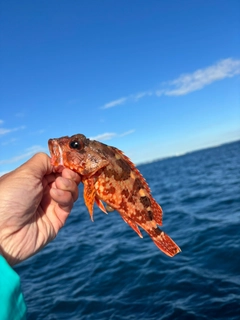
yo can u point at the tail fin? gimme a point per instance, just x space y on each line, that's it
164 242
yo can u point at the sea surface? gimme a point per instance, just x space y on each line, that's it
103 270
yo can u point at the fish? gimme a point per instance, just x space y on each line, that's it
113 182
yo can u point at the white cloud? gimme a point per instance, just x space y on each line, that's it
114 103
126 133
187 83
28 153
1 121
133 97
5 131
141 95
190 82
110 135
104 136
159 93
5 143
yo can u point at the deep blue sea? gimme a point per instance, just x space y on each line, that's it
103 270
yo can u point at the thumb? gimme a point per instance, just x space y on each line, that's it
39 165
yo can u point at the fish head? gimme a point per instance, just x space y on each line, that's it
76 153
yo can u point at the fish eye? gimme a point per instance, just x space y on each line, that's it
75 145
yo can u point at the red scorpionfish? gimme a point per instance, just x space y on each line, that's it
109 176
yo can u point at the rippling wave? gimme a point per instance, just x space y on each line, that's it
103 270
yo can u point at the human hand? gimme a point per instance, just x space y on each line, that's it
34 204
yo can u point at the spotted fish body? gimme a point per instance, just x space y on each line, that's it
109 176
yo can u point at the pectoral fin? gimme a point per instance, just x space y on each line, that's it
89 194
100 205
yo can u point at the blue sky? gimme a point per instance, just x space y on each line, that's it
154 78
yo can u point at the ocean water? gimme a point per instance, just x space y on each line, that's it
103 270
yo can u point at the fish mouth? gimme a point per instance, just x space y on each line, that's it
56 155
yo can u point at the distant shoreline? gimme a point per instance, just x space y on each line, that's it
187 153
